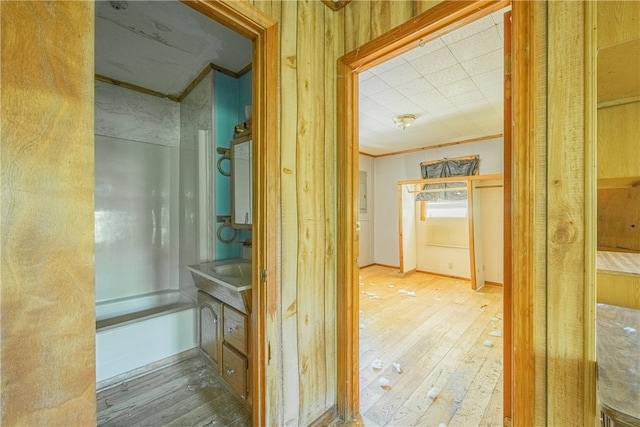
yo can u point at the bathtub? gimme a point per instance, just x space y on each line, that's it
137 331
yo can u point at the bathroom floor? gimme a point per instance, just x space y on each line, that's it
184 394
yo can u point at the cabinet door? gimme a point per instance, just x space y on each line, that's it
210 333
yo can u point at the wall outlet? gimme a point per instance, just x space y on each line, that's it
450 266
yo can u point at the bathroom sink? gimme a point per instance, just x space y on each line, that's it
234 274
241 271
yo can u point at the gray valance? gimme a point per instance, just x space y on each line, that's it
445 168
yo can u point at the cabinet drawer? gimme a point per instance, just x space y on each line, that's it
235 329
234 370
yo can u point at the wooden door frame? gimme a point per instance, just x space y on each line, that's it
263 31
429 25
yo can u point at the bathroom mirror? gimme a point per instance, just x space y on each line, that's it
241 182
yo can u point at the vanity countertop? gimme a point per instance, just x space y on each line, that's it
228 281
234 274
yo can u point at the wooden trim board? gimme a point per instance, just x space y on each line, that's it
432 147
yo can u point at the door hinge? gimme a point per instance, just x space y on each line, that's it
507 422
263 275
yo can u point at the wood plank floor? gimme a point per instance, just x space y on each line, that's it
437 337
183 394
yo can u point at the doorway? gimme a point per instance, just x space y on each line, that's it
261 30
452 90
429 25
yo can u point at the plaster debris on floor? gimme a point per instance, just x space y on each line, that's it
488 343
496 333
384 383
433 393
397 367
377 364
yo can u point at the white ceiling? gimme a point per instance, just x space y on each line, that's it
453 85
163 45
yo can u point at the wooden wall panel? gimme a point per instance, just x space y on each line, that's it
619 219
569 366
357 24
310 43
48 326
618 147
619 289
618 21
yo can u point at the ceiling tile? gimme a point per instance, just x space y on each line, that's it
447 76
436 61
387 97
484 63
458 88
476 45
399 75
466 98
404 106
489 78
498 16
493 91
365 75
372 86
469 30
388 65
423 50
415 87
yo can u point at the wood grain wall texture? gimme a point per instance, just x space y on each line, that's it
47 352
570 362
47 355
310 44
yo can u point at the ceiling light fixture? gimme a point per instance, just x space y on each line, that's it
403 121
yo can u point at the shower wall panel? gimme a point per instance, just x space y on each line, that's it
196 113
136 186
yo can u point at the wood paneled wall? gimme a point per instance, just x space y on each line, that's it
47 210
47 355
571 215
310 44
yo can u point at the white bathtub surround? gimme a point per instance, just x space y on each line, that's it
126 114
120 311
150 328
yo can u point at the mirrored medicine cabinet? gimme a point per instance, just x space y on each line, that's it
241 182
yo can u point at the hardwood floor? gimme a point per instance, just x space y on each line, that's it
184 394
437 337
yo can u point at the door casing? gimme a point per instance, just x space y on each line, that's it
430 25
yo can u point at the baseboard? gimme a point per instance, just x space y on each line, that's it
365 266
486 282
444 275
405 274
146 369
379 265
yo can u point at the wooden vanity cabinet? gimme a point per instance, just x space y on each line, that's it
224 342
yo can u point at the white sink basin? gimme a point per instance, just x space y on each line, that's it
240 271
234 274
